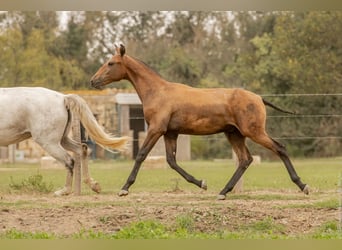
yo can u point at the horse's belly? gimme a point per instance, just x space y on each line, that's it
200 126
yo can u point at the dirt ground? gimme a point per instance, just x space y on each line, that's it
109 213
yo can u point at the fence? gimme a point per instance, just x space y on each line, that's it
214 146
298 129
217 146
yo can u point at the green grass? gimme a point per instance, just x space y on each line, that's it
329 230
14 234
183 229
320 174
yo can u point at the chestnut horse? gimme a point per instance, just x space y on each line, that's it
45 116
172 108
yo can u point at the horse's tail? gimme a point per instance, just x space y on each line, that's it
277 108
77 105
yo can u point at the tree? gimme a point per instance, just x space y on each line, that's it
303 55
11 46
27 59
265 52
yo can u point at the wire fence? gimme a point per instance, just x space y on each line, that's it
304 94
311 132
294 116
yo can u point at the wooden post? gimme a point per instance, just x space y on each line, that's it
11 153
239 185
84 161
76 133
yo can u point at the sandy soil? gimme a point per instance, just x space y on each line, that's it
109 213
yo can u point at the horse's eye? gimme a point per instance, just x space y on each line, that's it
110 64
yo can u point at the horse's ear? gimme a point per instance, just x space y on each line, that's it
117 49
122 50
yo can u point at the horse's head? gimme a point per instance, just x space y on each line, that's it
111 71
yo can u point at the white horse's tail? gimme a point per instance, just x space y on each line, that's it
77 105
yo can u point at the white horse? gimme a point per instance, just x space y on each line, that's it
45 115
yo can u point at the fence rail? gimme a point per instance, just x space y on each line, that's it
307 94
294 116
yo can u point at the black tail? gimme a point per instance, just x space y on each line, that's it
276 108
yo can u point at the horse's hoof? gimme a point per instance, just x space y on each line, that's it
204 185
123 192
221 197
62 192
306 189
58 193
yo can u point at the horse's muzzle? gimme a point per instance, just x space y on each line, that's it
96 83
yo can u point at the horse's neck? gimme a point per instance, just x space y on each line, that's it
144 80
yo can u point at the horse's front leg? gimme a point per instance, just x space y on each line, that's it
151 139
171 150
89 181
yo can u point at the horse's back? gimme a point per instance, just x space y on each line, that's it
229 98
30 110
30 101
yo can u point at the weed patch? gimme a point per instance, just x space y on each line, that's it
33 184
328 230
14 234
143 230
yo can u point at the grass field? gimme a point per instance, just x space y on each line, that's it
270 206
320 174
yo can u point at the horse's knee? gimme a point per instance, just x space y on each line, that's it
141 156
249 160
171 159
245 162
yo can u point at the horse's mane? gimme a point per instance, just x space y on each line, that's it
146 65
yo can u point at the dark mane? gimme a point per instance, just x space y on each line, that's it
148 66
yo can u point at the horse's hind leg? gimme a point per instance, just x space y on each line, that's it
67 189
244 157
171 149
60 154
87 179
280 150
75 147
